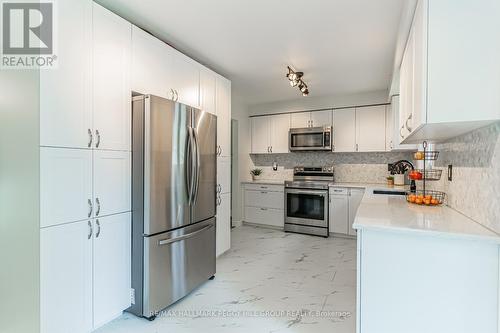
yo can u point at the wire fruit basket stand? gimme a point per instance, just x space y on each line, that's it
425 196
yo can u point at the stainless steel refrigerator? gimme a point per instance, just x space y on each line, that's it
173 201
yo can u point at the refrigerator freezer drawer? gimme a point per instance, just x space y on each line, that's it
175 263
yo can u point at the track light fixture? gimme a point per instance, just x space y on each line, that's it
295 79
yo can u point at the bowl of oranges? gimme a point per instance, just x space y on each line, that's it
426 198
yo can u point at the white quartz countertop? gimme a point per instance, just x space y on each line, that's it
265 182
393 213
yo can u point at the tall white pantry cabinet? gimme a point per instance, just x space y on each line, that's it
85 160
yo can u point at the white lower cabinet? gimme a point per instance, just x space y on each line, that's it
355 197
344 203
65 185
111 267
84 273
66 278
223 220
339 214
112 182
264 204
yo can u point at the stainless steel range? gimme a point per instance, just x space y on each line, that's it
306 200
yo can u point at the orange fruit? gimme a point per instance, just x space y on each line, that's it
428 197
427 201
412 198
420 196
434 202
418 201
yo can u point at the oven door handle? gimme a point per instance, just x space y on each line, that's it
318 193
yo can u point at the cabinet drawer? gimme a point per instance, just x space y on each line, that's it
264 199
265 187
339 191
267 216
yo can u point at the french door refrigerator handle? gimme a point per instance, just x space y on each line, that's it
176 239
189 166
197 173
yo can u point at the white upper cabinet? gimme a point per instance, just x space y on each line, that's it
270 134
111 77
394 131
261 130
280 126
112 182
223 104
208 90
344 130
444 88
66 278
186 78
65 185
111 267
370 128
311 119
152 62
321 118
300 119
66 92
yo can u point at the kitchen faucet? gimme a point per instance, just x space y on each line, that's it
405 164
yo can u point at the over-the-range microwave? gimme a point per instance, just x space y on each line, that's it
310 138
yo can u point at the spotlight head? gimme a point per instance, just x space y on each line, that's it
294 83
305 93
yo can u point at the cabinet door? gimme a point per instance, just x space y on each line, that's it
65 185
66 278
112 267
223 103
280 125
339 214
370 128
112 182
261 135
223 234
186 79
355 197
344 130
389 130
112 92
224 174
396 132
406 89
207 91
419 85
151 65
300 119
66 92
321 118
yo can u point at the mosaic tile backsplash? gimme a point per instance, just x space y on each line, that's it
475 156
349 167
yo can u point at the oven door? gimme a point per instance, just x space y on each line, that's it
306 207
316 138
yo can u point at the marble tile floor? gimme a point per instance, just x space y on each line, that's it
270 281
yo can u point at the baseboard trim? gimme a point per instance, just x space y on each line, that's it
265 226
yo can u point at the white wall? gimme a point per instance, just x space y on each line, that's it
323 102
19 201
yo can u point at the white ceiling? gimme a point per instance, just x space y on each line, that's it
343 46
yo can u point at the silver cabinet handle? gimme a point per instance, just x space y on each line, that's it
263 209
98 228
91 138
90 230
264 187
401 134
98 135
176 95
91 208
357 147
176 239
406 123
333 147
98 206
172 94
271 149
263 192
